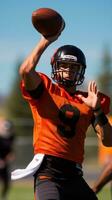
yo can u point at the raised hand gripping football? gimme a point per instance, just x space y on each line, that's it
48 22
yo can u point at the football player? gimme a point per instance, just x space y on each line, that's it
62 115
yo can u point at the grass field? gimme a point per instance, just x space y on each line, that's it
21 190
105 194
24 190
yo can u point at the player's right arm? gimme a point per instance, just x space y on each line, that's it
27 70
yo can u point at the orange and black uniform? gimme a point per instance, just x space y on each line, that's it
60 124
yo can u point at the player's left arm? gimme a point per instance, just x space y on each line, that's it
100 122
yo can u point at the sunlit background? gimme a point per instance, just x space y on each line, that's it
88 26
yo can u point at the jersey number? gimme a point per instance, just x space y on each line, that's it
68 116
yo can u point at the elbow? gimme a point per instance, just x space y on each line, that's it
21 71
24 70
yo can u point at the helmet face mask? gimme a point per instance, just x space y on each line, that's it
68 66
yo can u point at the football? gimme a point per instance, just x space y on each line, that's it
47 21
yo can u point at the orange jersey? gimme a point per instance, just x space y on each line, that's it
60 121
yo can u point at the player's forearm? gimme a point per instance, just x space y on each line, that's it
100 184
103 179
32 60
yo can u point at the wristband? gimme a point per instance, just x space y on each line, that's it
100 119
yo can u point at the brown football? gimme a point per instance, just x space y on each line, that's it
47 21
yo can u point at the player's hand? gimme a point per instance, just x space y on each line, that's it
92 100
51 39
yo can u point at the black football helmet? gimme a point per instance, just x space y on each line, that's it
74 57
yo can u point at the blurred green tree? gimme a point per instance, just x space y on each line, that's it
17 108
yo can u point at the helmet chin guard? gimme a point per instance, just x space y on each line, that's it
75 59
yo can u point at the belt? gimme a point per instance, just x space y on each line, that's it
58 168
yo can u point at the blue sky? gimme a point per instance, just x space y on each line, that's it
88 26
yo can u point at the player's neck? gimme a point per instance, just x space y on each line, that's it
71 90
